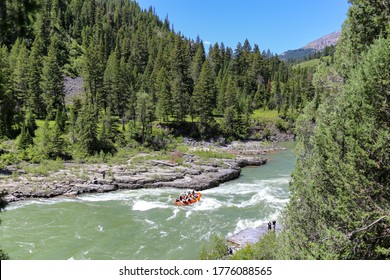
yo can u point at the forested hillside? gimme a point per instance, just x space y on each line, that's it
137 72
340 190
339 207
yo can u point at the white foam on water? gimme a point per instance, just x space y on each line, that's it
175 211
245 188
143 205
100 228
163 234
229 189
183 237
28 246
139 249
206 204
188 213
114 196
150 222
25 203
247 223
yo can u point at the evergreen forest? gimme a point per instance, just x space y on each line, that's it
142 81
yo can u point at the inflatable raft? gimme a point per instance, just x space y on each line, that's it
198 195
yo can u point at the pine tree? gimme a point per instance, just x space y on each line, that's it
164 105
198 62
24 139
125 93
93 67
57 146
181 83
145 111
341 180
108 132
35 101
180 99
367 20
52 79
6 97
61 119
111 82
20 78
87 130
29 123
42 138
204 96
232 122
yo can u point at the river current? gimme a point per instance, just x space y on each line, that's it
145 224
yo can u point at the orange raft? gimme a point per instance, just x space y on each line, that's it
193 200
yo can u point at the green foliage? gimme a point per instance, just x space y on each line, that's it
265 116
24 139
282 125
87 133
52 83
120 50
160 139
3 204
265 249
182 148
45 168
204 96
341 180
216 250
145 114
164 103
367 21
208 154
108 133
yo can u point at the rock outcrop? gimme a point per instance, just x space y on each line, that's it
193 173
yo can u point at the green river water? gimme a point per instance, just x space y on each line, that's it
145 224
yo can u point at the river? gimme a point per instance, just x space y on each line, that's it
145 224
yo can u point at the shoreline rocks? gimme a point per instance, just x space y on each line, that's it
193 173
250 236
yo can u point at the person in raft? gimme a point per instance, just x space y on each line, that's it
186 197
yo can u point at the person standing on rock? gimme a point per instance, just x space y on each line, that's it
274 224
269 225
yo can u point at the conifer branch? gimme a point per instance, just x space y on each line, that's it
349 235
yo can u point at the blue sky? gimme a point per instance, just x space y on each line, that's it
278 25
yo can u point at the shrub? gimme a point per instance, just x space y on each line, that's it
207 154
216 250
265 249
282 125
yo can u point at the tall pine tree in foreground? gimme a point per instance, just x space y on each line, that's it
340 207
340 191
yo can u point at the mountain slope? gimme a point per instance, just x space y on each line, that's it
312 47
325 41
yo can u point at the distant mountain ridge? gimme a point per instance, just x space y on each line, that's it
325 41
312 47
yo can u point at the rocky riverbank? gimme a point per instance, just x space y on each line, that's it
250 236
140 171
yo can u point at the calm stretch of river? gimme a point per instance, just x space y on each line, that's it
144 224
